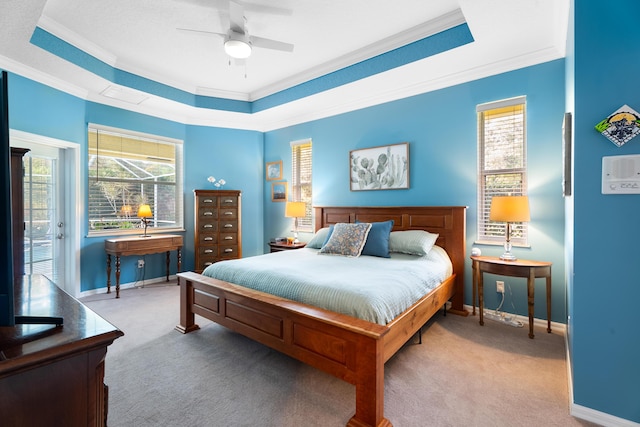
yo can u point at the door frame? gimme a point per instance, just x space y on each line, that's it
72 189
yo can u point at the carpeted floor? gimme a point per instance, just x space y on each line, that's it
462 375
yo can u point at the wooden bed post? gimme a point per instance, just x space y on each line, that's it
369 385
187 318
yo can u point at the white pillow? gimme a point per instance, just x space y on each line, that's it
413 242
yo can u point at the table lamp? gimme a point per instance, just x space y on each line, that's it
509 209
295 210
144 212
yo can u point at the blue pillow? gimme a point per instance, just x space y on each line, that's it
378 239
319 239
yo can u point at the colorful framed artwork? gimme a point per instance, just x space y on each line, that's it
621 126
380 168
279 191
274 170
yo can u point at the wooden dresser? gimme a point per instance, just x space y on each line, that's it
53 375
218 229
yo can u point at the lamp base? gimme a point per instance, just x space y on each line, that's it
508 256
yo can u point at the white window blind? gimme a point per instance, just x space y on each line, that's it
301 180
502 164
129 169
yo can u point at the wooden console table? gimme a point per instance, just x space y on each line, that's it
53 375
518 268
137 245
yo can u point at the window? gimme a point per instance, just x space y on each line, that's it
301 180
502 164
128 169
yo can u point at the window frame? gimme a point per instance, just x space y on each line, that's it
490 232
177 221
302 189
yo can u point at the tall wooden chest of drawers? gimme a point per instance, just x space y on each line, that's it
218 230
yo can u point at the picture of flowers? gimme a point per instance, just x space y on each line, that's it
380 168
274 171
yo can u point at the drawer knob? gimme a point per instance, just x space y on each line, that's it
228 250
208 226
207 264
228 238
228 226
208 239
228 213
229 201
208 251
207 201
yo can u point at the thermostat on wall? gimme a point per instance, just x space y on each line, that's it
621 174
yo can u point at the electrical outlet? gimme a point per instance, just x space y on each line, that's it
140 263
500 286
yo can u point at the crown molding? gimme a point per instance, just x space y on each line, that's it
419 32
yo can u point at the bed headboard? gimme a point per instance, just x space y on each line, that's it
449 222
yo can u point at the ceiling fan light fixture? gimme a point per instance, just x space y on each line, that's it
238 49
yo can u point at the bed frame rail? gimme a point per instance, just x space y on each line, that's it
345 347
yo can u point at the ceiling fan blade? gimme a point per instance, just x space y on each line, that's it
271 44
210 33
236 17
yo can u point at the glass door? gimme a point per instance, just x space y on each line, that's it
44 231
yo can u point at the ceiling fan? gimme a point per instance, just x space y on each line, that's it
237 41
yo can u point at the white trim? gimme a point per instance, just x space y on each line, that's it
588 414
300 142
139 284
517 100
542 323
600 418
73 186
442 23
130 133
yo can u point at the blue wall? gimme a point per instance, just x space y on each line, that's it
234 155
441 127
605 342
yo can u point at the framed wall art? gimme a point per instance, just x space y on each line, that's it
380 168
279 191
274 170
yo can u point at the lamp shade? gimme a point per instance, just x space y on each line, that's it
509 209
144 211
295 209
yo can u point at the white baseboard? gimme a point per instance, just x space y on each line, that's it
578 411
130 285
599 418
555 326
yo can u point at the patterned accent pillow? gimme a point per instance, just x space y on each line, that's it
412 242
347 239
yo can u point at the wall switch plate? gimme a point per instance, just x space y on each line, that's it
140 263
500 286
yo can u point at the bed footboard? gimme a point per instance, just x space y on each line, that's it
347 348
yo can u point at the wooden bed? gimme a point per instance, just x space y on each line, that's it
351 349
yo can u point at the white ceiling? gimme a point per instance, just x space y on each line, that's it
142 37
